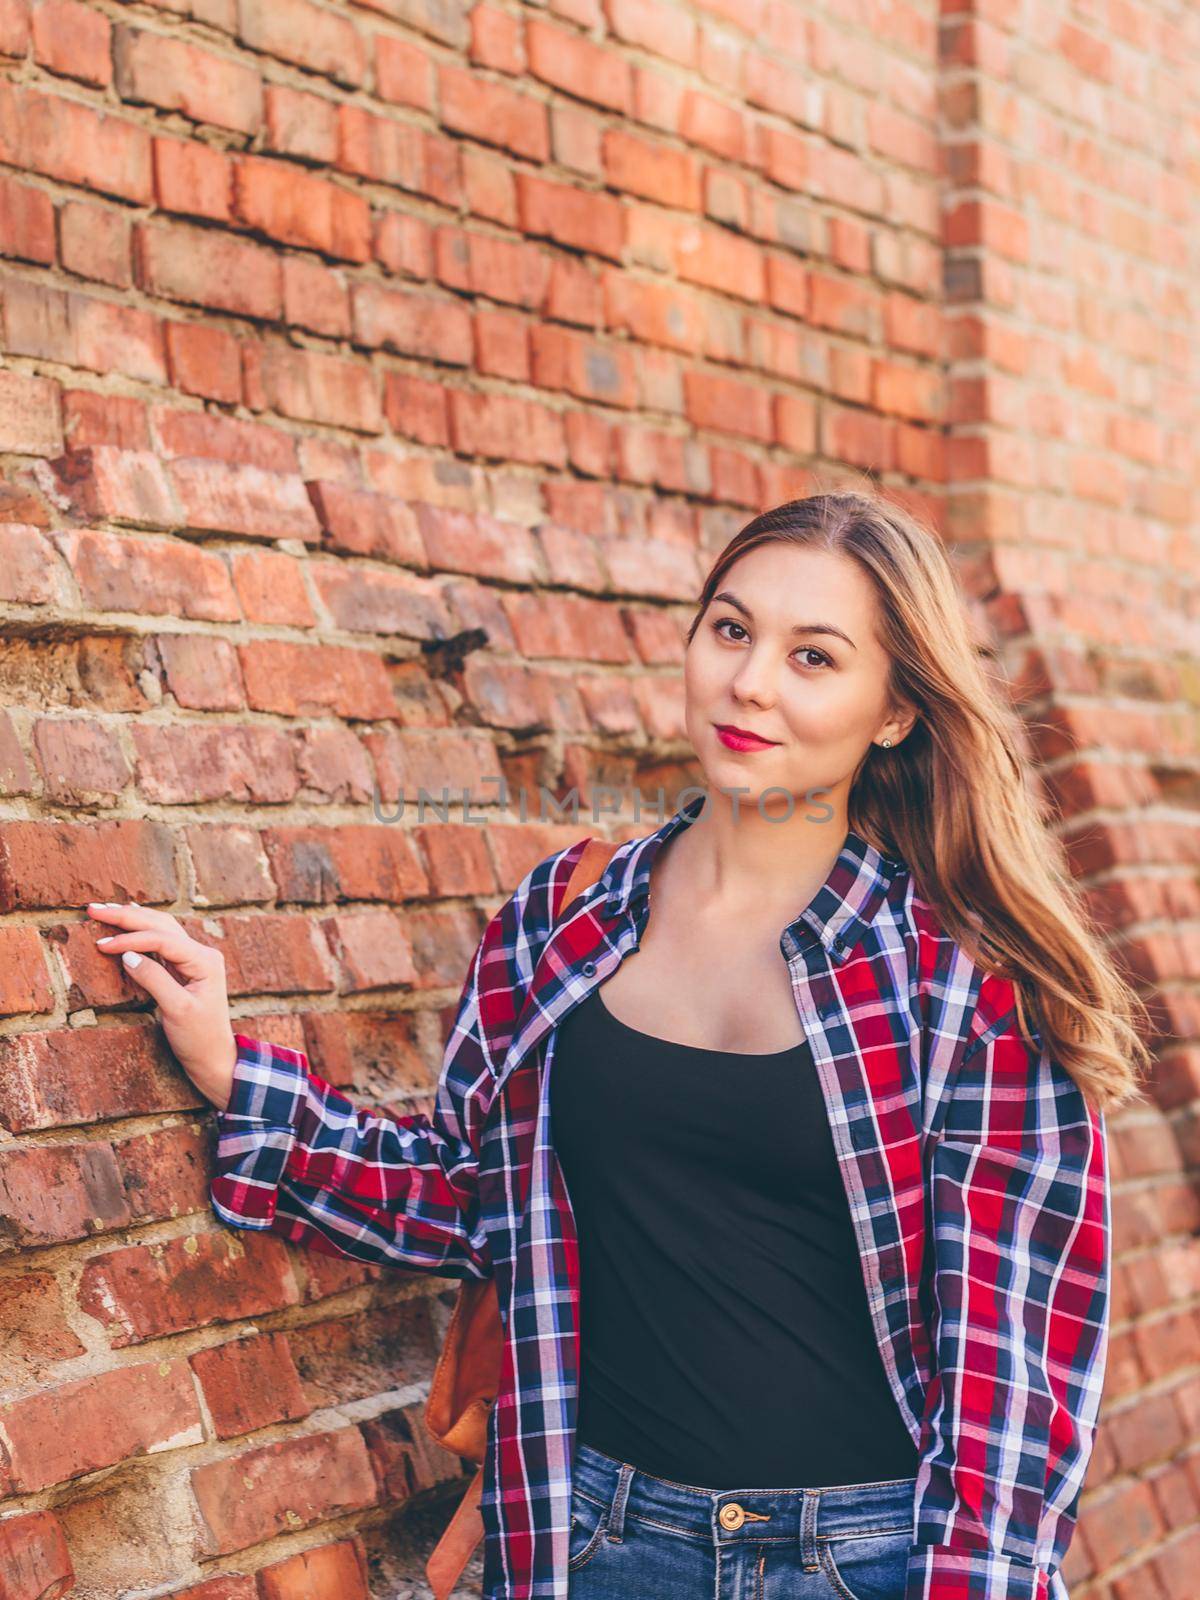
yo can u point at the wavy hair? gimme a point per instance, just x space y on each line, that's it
955 798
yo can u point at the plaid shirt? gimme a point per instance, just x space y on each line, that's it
976 1177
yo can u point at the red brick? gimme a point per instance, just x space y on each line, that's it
155 69
496 40
35 1563
69 141
27 577
192 1281
589 71
665 31
149 576
307 35
26 223
403 72
221 497
502 345
14 27
250 1383
118 485
503 426
204 268
655 171
484 546
116 419
329 1569
413 324
193 179
315 297
256 1494
79 331
296 208
206 760
417 408
30 415
387 151
61 1193
654 313
218 438
80 761
721 260
585 367
404 245
358 522
301 125
204 361
493 113
95 242
72 40
24 981
313 387
581 218
727 405
115 1416
298 680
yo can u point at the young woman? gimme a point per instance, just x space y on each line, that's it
803 1246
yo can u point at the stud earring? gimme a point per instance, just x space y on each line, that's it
887 744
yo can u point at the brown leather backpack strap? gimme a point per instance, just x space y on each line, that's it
458 1543
596 856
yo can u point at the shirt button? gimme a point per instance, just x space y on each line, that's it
731 1515
588 969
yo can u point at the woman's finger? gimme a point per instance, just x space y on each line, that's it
192 959
155 979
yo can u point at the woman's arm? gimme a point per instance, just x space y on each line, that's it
1021 1239
294 1155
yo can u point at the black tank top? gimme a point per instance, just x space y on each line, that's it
725 1339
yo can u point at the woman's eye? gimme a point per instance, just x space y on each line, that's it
805 650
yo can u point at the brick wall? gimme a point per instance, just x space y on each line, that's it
335 331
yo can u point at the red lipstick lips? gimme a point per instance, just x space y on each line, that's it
740 739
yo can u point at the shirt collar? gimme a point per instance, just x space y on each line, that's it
840 911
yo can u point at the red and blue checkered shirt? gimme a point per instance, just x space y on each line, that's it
975 1171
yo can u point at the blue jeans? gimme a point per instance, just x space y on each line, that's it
638 1537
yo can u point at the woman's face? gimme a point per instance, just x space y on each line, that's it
787 649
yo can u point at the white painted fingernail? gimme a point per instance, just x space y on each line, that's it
108 938
131 958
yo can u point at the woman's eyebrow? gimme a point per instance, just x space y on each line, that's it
803 627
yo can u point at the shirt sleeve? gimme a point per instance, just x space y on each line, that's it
295 1156
1020 1209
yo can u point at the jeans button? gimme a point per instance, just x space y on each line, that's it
731 1515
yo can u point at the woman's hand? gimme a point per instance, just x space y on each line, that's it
194 1013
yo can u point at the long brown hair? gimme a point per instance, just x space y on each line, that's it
954 798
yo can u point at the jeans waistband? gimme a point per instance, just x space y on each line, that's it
808 1514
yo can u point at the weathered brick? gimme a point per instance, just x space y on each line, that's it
339 1569
313 387
223 497
357 522
301 125
35 1561
204 361
307 35
149 576
315 297
581 67
254 1495
80 331
26 223
250 1383
210 269
72 40
193 179
505 427
158 70
95 242
655 171
299 209
298 680
137 1293
404 72
493 113
413 324
24 981
582 218
30 415
118 486
66 140
131 1411
398 153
